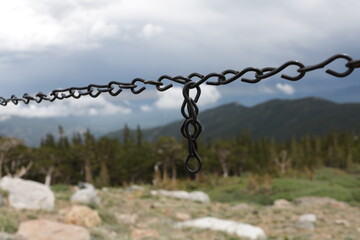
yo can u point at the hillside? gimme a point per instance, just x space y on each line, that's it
279 119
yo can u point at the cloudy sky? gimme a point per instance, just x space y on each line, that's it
46 45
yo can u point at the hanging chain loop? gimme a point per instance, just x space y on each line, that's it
191 127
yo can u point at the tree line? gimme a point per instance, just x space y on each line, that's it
109 162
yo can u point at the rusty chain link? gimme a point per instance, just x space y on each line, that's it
191 127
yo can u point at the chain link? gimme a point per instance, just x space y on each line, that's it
191 127
115 88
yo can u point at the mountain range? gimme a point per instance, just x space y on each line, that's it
278 119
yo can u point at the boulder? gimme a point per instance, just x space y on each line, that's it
85 195
243 230
307 221
197 196
44 229
81 215
309 217
26 194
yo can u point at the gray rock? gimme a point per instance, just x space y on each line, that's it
26 194
309 217
85 195
307 221
305 225
243 230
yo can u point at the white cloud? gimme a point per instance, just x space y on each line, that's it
85 106
142 38
285 88
39 24
145 108
101 29
150 30
173 97
266 89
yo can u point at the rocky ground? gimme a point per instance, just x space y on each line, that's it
334 220
133 213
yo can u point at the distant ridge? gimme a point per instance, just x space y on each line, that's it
278 119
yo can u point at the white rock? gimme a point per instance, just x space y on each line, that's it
309 217
239 229
197 196
26 194
306 221
86 195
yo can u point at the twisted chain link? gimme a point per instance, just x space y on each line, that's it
191 127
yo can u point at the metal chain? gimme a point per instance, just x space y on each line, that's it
192 81
191 127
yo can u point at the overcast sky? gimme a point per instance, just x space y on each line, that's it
45 45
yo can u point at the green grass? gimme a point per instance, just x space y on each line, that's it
326 183
60 188
4 193
7 223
